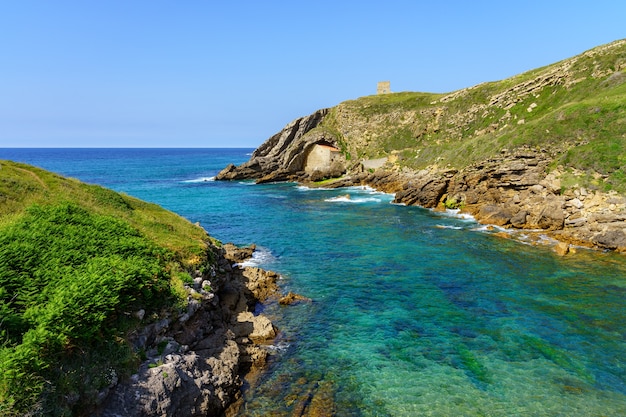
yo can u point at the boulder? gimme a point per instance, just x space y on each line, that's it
238 254
261 283
613 239
493 214
425 190
183 385
256 328
550 217
519 219
292 298
562 248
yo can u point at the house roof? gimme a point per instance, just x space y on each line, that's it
331 148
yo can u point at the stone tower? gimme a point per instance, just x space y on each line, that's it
383 87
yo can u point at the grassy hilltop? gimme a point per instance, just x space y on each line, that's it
77 262
574 110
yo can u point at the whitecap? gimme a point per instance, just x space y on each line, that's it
201 179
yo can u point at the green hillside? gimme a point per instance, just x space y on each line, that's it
76 262
574 110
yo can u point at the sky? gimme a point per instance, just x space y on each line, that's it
153 73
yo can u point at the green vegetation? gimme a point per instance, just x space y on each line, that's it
559 357
76 261
452 204
574 110
472 365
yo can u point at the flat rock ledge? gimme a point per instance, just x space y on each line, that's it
195 362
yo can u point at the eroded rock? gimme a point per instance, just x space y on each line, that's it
293 298
195 366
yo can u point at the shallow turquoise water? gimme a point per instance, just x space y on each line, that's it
415 313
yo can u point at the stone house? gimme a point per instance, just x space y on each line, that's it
320 157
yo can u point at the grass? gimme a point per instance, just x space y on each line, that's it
76 261
577 115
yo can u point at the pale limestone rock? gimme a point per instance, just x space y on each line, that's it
562 248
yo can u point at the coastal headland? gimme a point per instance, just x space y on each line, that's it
114 306
543 152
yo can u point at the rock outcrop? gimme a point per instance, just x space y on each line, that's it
194 363
496 150
293 298
513 190
282 157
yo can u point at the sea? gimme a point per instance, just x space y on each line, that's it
413 312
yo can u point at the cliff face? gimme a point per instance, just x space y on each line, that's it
544 150
283 155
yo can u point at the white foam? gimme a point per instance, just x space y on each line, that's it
305 188
370 190
363 188
491 228
445 226
201 179
456 213
354 200
279 347
260 256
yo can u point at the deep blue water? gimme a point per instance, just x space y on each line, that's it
414 313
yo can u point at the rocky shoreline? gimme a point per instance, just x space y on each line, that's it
514 190
194 364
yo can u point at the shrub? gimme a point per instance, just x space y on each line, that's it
67 278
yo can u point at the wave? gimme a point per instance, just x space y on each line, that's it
261 256
367 188
279 347
305 188
492 228
201 179
349 199
456 213
445 226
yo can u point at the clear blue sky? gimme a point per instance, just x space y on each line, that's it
151 73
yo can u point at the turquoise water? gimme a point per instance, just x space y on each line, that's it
414 313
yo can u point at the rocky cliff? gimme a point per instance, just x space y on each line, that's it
283 155
194 364
541 151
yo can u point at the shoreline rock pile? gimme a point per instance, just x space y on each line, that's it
194 364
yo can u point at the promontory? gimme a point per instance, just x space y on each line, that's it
543 151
